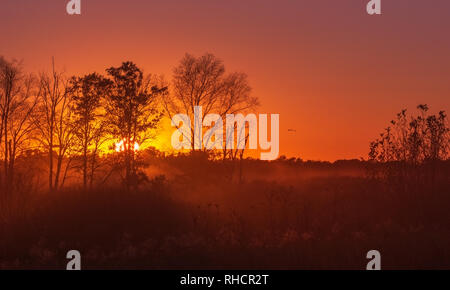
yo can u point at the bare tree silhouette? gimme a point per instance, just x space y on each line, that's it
17 102
202 81
53 119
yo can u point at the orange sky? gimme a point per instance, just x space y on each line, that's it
334 74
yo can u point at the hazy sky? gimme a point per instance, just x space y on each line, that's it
334 74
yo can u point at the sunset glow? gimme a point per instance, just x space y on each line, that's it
122 145
216 144
319 61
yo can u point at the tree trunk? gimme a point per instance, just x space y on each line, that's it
58 172
85 145
50 164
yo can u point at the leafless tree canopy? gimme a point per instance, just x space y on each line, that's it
18 99
53 119
203 81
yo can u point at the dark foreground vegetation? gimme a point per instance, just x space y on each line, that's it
285 214
62 187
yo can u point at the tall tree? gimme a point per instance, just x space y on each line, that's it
132 111
202 81
87 93
17 102
54 121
